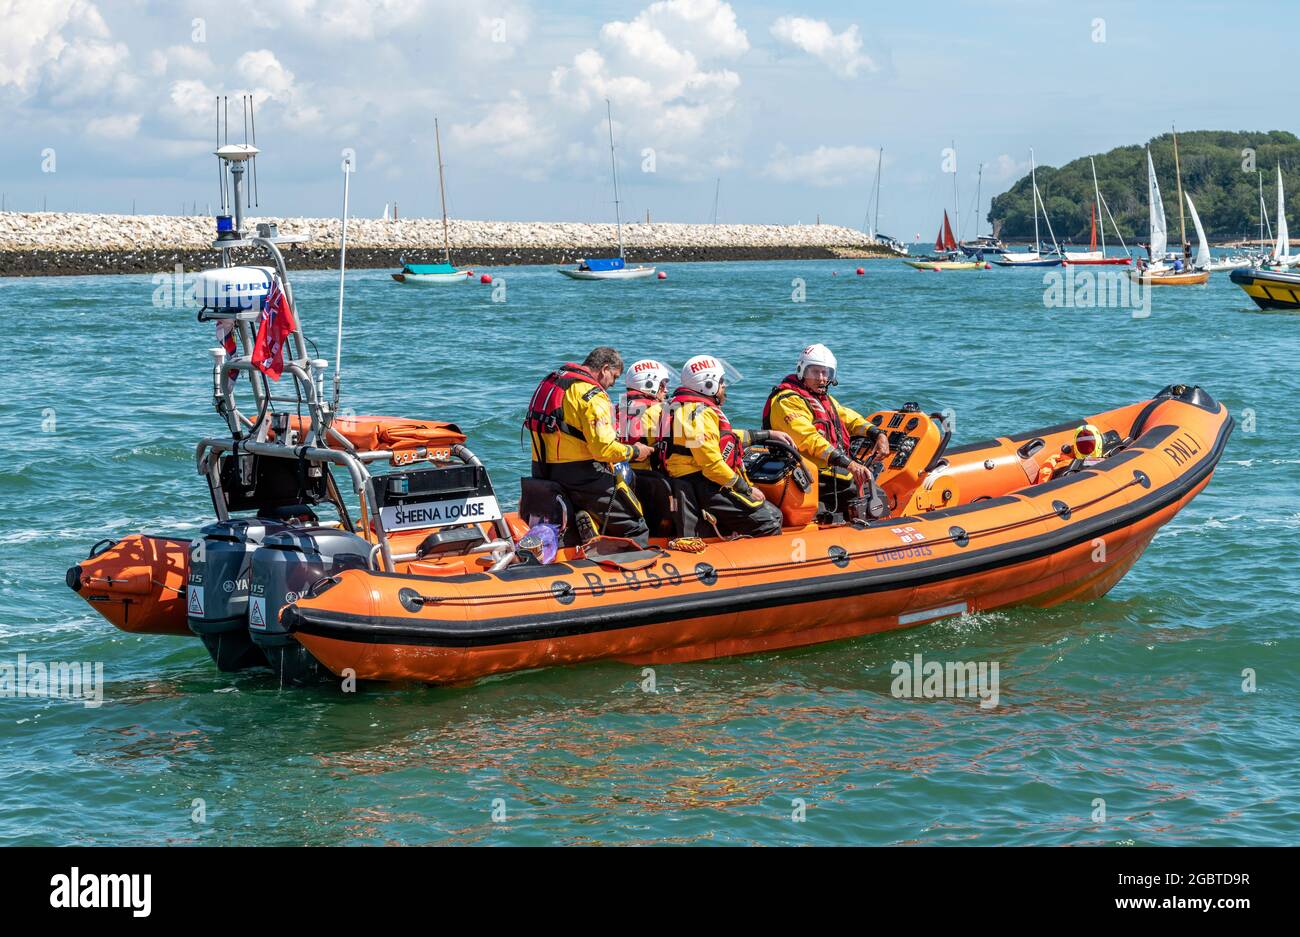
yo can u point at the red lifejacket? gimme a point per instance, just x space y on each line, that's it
733 451
628 422
546 410
824 414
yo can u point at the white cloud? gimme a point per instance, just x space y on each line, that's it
824 166
189 59
510 127
264 77
119 127
660 70
1005 168
841 52
62 48
341 19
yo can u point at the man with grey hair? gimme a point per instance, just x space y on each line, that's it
575 444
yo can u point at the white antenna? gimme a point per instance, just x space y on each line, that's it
343 265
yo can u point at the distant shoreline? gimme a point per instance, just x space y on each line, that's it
69 244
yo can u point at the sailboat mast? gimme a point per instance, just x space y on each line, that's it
717 188
1261 208
618 221
1033 176
875 224
979 185
1178 173
442 196
1096 191
956 202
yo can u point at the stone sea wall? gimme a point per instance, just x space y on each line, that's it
60 243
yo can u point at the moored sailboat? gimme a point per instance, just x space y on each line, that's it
418 274
1034 258
1093 256
884 240
609 268
946 256
1158 271
981 244
1281 257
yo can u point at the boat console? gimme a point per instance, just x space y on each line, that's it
917 442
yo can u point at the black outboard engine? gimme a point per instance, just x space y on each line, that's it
220 564
283 568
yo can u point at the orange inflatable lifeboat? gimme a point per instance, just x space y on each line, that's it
971 529
137 583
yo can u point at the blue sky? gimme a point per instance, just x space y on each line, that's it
787 103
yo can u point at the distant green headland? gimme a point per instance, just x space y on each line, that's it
1219 170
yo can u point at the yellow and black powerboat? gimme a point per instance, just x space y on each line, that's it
1271 289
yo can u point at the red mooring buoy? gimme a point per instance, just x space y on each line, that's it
861 271
662 275
485 278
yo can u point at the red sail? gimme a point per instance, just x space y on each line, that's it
938 240
949 242
1092 213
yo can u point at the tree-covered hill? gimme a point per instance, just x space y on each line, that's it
1226 194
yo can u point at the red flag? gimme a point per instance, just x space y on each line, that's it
226 335
273 330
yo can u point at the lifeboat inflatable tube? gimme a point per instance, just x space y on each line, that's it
137 583
1010 541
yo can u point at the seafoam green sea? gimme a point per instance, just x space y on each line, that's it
1135 699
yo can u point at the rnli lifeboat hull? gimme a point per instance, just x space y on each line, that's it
1068 539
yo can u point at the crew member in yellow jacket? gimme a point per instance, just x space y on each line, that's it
704 453
575 445
821 427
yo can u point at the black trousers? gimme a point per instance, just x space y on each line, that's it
656 495
697 494
590 487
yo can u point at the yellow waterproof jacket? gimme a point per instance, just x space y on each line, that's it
789 412
588 410
696 444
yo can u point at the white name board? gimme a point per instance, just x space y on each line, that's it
440 513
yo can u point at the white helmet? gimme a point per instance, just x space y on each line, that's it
819 355
704 374
647 375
